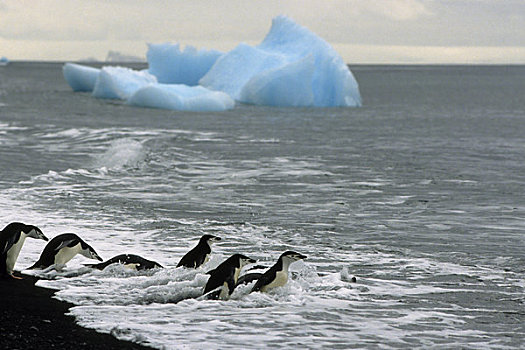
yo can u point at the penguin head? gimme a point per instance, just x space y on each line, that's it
89 252
156 265
210 239
34 232
28 230
291 256
243 260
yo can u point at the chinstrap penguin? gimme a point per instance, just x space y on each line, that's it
132 261
61 249
12 238
277 275
223 279
200 254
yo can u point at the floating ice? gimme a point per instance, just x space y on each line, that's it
181 97
171 65
79 77
120 82
291 67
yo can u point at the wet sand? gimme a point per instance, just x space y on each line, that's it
30 318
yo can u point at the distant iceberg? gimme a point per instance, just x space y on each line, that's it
118 57
291 67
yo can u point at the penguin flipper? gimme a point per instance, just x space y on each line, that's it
231 285
213 282
261 282
248 278
213 295
6 247
11 242
66 243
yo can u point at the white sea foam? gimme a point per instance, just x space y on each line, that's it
122 152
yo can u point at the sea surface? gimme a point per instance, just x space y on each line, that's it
419 195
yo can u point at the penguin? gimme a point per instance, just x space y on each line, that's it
277 275
12 238
200 254
132 261
225 277
61 249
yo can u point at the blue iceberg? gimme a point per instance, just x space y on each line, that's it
289 56
172 66
120 82
181 97
79 77
291 67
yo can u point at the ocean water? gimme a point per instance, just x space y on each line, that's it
419 194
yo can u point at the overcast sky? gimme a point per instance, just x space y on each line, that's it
362 31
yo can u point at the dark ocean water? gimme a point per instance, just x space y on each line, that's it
419 194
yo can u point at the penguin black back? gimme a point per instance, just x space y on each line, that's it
137 261
200 253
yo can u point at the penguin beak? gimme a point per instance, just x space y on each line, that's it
35 233
300 256
96 256
252 261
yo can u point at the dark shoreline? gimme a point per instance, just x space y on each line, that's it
30 318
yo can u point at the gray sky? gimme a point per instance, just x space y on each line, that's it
362 31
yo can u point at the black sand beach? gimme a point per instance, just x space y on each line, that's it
31 319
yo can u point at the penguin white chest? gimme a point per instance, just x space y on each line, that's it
281 277
13 253
225 291
132 266
67 253
236 274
